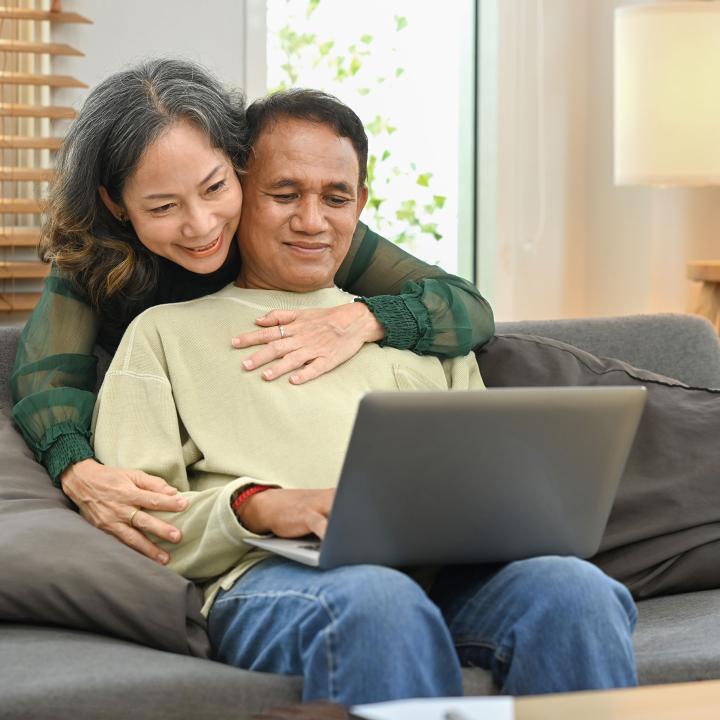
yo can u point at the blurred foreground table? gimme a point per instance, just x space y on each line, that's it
682 701
707 301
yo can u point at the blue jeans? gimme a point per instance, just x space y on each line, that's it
366 633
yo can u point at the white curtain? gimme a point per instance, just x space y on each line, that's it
558 238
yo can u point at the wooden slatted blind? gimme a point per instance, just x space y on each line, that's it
28 139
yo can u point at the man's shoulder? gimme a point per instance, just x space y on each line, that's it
169 322
228 310
199 309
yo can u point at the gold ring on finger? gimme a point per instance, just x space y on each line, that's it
132 516
282 331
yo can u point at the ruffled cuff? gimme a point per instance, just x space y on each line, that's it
64 450
401 327
418 310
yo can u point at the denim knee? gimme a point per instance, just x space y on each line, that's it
357 634
396 634
382 597
579 588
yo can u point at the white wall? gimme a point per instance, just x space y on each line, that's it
125 31
602 249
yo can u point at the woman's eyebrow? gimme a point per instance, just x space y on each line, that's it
162 196
211 173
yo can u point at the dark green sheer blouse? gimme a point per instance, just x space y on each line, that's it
53 381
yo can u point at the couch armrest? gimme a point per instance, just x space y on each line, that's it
684 347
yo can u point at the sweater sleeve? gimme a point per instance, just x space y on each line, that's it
421 307
136 425
463 373
53 380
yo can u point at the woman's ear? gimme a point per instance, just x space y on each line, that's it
112 206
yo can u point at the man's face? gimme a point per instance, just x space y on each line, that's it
301 204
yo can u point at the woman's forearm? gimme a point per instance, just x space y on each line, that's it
421 307
53 379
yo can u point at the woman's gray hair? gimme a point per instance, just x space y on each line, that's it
121 117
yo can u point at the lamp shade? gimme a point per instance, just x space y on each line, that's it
667 93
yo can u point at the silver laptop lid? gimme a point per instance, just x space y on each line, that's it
480 476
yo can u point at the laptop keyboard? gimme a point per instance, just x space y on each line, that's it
311 546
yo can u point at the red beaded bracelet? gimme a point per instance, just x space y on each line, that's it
246 494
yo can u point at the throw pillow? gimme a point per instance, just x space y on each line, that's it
663 534
58 569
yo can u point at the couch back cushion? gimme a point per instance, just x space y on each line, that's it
684 347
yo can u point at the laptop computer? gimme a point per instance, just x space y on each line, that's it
475 476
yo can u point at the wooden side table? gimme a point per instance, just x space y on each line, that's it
682 701
707 302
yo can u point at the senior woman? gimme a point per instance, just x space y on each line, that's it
173 407
112 260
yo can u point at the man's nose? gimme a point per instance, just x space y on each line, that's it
309 217
198 221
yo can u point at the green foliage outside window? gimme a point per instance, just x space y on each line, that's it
347 66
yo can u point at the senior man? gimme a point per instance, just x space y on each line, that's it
254 457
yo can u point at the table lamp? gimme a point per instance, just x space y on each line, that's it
667 107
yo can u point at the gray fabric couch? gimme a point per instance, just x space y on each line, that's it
52 672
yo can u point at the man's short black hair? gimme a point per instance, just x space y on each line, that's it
313 106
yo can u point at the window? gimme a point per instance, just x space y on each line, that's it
408 71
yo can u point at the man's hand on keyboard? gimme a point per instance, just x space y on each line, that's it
288 513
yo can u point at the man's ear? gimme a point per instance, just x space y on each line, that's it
362 200
112 206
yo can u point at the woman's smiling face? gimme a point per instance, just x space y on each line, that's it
184 200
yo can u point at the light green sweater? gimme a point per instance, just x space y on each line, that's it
177 403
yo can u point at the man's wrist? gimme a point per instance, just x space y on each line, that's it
248 508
